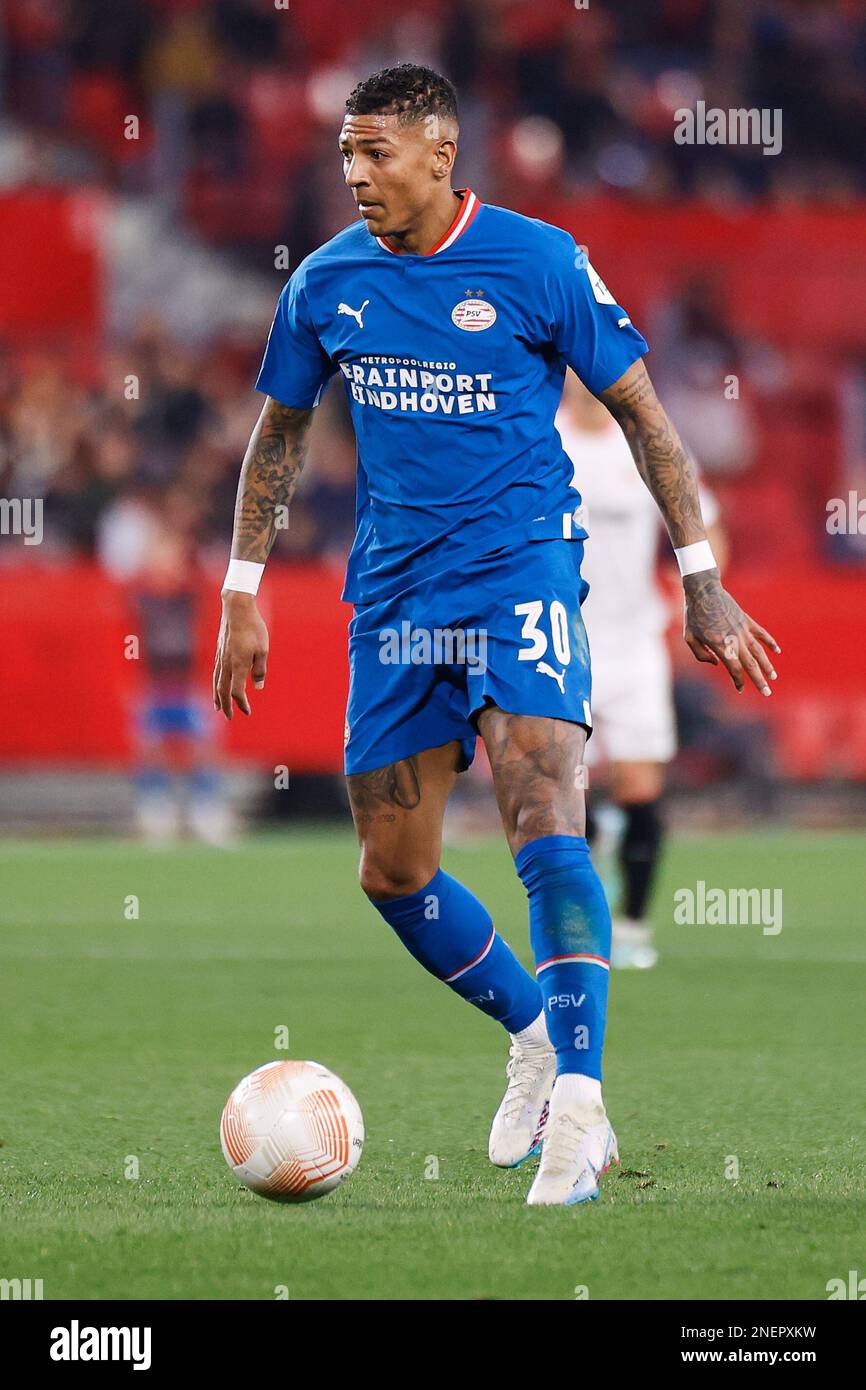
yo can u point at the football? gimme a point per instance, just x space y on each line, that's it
292 1131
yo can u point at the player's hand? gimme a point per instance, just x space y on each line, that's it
242 647
717 630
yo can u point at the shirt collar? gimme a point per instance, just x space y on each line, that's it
466 214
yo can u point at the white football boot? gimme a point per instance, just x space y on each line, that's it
158 818
632 945
518 1125
579 1145
211 821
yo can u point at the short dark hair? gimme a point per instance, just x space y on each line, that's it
409 91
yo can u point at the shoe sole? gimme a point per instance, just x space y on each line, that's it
531 1153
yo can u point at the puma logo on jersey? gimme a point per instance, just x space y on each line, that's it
558 676
354 313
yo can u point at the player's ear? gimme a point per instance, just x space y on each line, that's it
442 135
445 156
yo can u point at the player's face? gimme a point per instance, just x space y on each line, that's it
393 170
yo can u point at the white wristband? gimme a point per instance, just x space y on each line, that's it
693 558
244 576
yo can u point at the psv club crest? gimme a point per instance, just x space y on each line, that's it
473 315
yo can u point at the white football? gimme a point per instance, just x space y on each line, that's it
292 1131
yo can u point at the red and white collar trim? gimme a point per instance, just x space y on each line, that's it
465 216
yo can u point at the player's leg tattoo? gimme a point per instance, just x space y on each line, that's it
398 812
535 763
398 784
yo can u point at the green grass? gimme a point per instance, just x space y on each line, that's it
123 1037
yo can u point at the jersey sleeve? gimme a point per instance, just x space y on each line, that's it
295 367
592 332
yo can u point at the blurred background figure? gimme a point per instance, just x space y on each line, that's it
626 615
698 348
164 169
178 781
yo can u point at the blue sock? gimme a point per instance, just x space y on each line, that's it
569 927
452 935
153 780
205 782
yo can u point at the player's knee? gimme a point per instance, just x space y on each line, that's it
383 878
539 815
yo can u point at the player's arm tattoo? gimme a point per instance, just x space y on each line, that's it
397 785
662 461
269 475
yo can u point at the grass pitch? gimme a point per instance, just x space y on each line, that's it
121 1037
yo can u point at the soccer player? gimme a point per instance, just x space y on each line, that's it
173 724
625 615
451 323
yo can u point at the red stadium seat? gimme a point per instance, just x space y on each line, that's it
99 103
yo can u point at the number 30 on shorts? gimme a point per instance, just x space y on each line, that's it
531 632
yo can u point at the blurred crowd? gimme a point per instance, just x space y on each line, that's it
236 100
211 125
154 441
236 105
155 445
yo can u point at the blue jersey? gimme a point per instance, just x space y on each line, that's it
453 364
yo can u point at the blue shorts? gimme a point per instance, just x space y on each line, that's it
178 716
504 630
